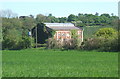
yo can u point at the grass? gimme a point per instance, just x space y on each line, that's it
56 63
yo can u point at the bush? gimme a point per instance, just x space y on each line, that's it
65 44
13 44
100 44
51 43
109 45
25 42
92 43
9 44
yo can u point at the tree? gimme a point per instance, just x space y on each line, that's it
112 14
12 32
52 19
71 17
97 14
9 32
80 14
106 15
31 16
50 15
40 18
106 33
7 13
62 20
27 24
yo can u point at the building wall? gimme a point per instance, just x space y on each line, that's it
66 35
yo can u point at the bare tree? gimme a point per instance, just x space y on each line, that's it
7 13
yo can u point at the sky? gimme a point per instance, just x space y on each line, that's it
60 8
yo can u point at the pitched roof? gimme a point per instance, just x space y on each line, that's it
61 26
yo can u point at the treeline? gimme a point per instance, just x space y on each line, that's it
80 20
15 29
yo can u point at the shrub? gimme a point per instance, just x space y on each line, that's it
10 43
92 43
109 45
106 33
100 44
65 44
25 42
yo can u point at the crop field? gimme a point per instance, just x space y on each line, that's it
56 63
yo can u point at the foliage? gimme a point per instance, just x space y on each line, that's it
62 19
106 40
40 18
59 44
56 63
15 30
26 42
76 41
14 33
93 44
74 34
89 31
106 33
11 39
71 17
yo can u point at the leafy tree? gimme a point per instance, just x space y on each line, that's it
71 17
50 15
106 33
31 16
62 20
12 30
106 15
27 24
80 14
52 19
97 14
112 14
40 18
11 39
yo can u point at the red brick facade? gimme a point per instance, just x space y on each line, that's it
66 35
63 30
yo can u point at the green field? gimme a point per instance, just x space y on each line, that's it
56 63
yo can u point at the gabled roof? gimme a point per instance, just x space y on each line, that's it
61 26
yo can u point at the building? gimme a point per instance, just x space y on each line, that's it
63 30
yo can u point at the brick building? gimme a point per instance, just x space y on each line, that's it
63 30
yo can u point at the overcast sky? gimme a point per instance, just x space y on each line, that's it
60 8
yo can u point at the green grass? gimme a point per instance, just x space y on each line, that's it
51 63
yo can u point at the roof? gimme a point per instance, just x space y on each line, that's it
61 26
